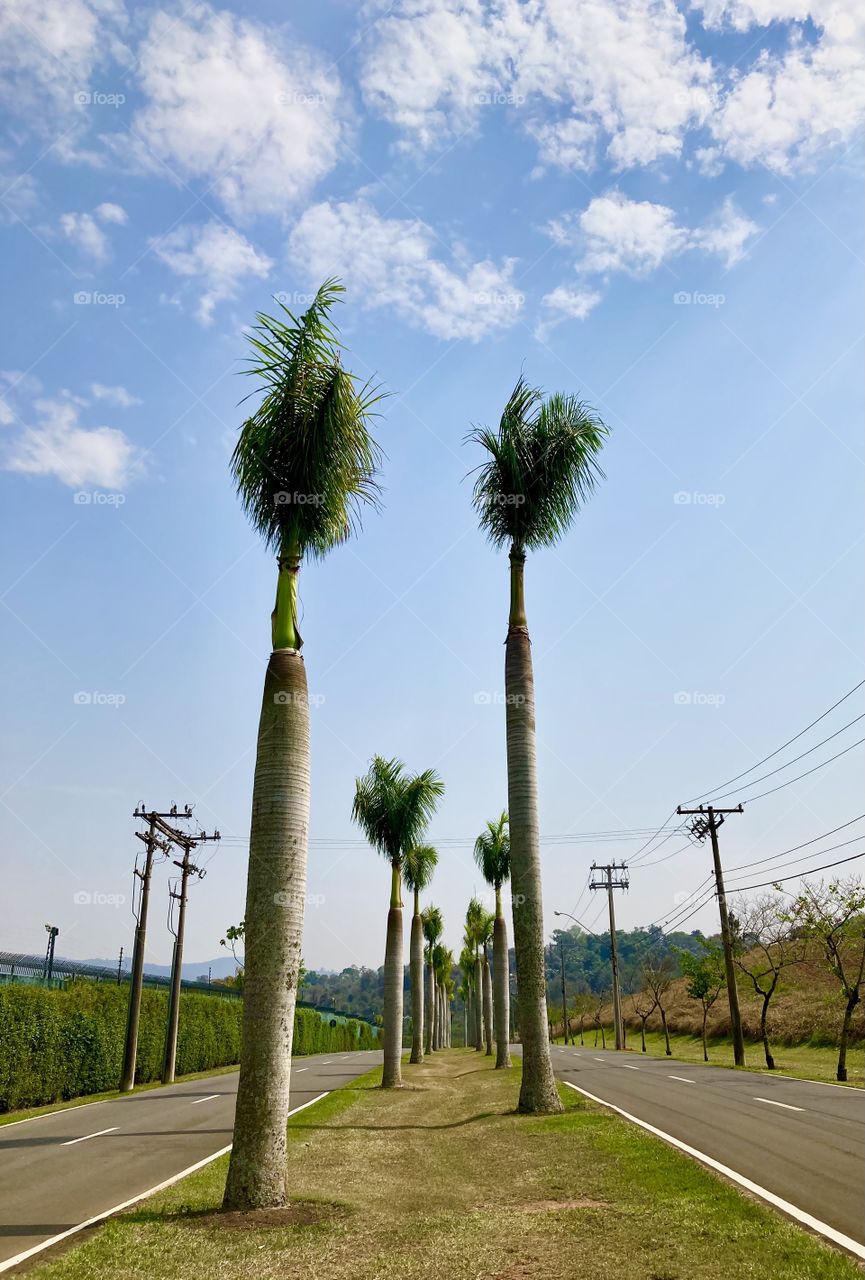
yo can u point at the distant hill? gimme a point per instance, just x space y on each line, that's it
221 967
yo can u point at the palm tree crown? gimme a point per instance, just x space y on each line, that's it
393 807
493 852
418 866
305 461
542 466
432 925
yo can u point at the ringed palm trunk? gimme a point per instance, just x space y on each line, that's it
391 1076
501 987
479 1004
488 1005
538 1092
416 970
275 896
429 1018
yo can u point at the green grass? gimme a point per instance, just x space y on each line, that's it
806 1062
27 1113
443 1179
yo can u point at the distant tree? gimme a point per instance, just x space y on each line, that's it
765 943
658 974
584 1002
704 978
644 1005
601 998
833 915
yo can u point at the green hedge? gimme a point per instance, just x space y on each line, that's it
66 1043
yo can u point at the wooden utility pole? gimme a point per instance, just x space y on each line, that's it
186 868
153 840
706 823
564 991
613 876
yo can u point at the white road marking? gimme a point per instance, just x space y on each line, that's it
599 1059
118 1208
786 1105
628 1067
299 1069
209 1098
88 1136
683 1079
823 1228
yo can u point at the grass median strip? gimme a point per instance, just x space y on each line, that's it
441 1178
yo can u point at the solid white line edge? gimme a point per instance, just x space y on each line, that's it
118 1208
822 1228
87 1136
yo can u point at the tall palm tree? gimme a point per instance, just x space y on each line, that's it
432 931
467 965
473 931
393 807
542 465
493 856
304 465
485 937
418 867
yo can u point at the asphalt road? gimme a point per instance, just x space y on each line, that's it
63 1169
798 1140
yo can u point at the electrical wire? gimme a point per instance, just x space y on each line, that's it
807 773
795 760
772 754
741 866
797 874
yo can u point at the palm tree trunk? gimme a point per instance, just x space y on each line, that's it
416 969
391 1076
501 987
429 1018
538 1092
488 1005
479 1004
275 897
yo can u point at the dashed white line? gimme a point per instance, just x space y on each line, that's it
786 1105
88 1136
599 1059
683 1079
299 1069
209 1098
837 1237
628 1067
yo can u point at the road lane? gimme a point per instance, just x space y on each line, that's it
802 1141
65 1168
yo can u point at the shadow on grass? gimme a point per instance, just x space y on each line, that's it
395 1128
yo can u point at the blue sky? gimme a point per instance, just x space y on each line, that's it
656 208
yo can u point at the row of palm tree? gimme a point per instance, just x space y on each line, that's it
305 466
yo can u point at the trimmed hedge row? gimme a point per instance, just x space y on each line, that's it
65 1043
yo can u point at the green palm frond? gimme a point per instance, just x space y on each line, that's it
305 463
474 922
418 866
467 965
393 807
542 467
492 852
432 925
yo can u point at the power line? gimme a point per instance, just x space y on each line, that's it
798 874
644 866
804 845
807 773
795 759
777 750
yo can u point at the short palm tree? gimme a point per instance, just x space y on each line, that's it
418 867
485 937
493 856
304 465
393 808
432 931
467 966
542 465
473 933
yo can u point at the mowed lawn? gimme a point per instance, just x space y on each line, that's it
442 1180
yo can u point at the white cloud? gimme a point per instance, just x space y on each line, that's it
114 395
392 262
78 456
228 104
619 72
83 231
614 233
565 304
215 254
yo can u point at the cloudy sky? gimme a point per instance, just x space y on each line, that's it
654 206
